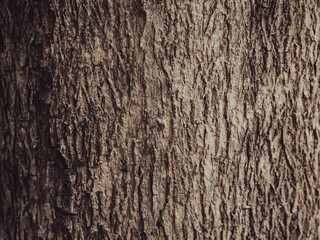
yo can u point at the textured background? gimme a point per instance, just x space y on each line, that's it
159 119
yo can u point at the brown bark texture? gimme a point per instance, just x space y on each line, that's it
159 119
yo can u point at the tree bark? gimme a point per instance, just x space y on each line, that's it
159 119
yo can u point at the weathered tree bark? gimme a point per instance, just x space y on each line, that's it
166 119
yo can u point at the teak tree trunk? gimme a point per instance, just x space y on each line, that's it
159 119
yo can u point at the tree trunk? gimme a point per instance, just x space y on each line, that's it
159 119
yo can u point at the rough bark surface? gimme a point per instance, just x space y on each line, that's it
159 119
